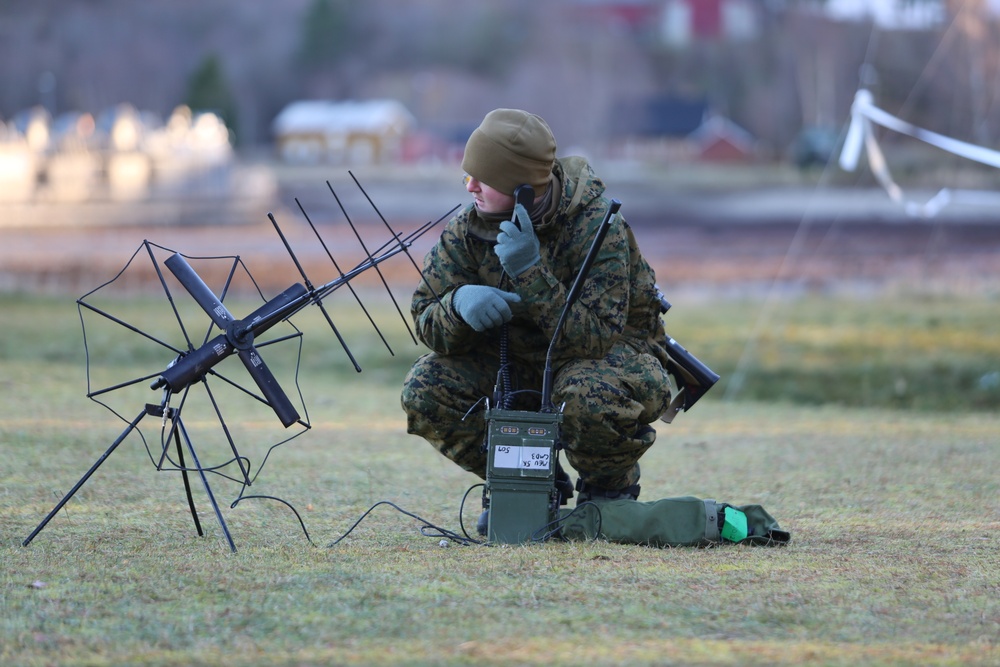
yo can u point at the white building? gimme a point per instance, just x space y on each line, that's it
349 132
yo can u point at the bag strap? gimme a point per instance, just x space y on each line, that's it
712 529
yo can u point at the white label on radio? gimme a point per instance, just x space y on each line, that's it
509 456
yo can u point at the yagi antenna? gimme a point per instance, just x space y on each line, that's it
237 336
396 236
336 266
311 288
377 270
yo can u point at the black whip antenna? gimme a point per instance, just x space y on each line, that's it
571 298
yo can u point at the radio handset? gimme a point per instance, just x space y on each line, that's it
525 196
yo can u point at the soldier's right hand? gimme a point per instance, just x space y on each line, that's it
483 307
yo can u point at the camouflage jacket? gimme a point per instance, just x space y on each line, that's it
617 302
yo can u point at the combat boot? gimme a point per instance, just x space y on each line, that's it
590 493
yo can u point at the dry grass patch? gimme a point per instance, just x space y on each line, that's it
894 518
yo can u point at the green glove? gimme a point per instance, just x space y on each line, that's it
483 307
517 248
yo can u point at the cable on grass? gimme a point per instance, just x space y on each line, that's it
461 512
283 502
425 529
428 526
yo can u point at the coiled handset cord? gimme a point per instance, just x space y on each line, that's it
504 395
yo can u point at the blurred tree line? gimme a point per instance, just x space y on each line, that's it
575 62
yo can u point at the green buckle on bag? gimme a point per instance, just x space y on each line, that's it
735 528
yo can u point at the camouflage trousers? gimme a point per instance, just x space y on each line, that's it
609 406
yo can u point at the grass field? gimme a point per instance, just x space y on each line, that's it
868 429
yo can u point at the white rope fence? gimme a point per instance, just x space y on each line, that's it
860 134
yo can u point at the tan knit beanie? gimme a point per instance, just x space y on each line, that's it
509 148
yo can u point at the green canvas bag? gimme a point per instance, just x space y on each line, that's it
671 522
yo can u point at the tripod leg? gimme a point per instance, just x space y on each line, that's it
86 476
187 483
208 488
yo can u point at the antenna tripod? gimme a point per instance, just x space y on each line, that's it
177 433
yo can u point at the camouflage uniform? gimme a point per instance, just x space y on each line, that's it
608 361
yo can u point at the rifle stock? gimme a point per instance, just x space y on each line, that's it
692 377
